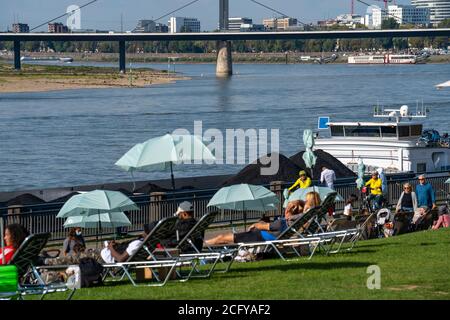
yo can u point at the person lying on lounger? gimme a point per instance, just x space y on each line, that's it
261 231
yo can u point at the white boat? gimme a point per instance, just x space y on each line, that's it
398 144
383 59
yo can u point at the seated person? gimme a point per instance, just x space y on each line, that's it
302 182
185 223
261 231
72 241
376 191
444 218
407 201
348 209
112 253
15 234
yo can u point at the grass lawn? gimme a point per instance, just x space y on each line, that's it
413 266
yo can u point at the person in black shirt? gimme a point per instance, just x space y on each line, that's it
408 200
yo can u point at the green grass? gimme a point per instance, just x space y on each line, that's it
413 266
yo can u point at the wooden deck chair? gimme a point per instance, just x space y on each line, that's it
25 259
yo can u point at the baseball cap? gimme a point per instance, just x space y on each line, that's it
184 206
302 173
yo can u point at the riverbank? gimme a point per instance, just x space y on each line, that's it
37 78
198 58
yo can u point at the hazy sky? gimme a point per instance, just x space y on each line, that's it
106 14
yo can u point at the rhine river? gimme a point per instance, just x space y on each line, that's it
74 137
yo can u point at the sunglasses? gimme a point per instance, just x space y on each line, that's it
421 179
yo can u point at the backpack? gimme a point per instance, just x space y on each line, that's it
91 272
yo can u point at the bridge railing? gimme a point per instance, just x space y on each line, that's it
42 218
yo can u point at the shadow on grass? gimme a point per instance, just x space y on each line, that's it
306 266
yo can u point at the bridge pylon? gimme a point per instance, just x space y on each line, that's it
224 66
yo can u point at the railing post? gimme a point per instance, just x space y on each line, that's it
277 188
156 205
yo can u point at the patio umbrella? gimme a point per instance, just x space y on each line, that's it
242 197
361 171
95 203
300 194
107 220
309 157
161 153
447 181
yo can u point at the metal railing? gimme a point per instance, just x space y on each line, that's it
42 218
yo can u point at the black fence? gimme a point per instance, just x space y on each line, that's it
158 205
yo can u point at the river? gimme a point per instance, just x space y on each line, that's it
74 137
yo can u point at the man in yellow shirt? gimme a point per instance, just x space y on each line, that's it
302 182
376 191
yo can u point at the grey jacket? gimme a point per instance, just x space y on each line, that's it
414 200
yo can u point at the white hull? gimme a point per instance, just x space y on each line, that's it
397 155
383 59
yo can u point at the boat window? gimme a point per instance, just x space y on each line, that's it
403 131
360 131
337 131
389 131
416 130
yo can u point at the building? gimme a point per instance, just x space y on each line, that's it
439 9
145 26
349 20
410 14
280 24
235 24
161 28
20 28
374 17
57 27
183 24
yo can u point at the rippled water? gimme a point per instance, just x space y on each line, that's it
73 137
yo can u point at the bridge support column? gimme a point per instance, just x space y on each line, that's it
224 67
17 55
122 68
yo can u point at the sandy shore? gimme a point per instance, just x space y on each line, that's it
48 78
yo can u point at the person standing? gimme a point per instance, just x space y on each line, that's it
426 197
328 177
408 200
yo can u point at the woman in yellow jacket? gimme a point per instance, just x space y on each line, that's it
376 190
302 182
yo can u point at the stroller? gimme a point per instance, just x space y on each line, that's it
384 226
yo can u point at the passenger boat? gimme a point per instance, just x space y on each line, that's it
383 59
398 144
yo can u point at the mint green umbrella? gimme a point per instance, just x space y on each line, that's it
162 152
447 181
300 194
107 220
242 197
308 156
361 171
96 202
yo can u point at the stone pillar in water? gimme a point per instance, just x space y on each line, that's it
224 67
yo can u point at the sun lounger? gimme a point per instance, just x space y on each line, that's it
25 259
144 258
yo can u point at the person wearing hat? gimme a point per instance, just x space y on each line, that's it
185 222
376 191
302 182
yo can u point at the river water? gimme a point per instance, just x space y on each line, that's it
74 137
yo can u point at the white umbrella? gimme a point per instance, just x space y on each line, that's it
107 220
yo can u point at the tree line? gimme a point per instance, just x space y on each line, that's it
326 45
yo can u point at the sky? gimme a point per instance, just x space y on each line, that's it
106 14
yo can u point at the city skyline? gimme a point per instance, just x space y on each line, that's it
115 14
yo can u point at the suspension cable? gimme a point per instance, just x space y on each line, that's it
276 11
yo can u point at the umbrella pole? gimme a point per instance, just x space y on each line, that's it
171 175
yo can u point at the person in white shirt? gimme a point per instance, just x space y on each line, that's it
111 254
348 209
328 177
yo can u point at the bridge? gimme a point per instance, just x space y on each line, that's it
223 37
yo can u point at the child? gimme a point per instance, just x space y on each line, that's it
349 206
